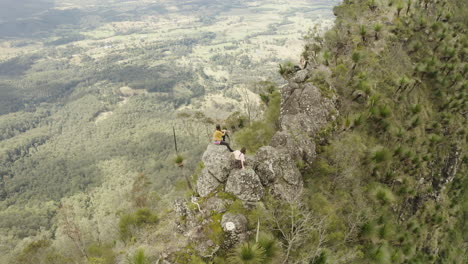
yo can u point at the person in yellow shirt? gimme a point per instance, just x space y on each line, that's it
219 137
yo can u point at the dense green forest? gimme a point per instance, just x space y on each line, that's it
388 184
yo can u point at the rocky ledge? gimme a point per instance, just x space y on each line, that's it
304 112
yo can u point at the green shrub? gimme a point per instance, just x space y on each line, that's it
416 109
226 196
236 121
125 224
386 231
369 231
128 221
144 216
139 257
384 195
322 259
259 133
94 260
196 260
178 159
382 255
102 254
247 254
380 155
214 229
237 208
286 68
300 164
271 249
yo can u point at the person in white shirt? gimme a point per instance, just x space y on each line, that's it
239 156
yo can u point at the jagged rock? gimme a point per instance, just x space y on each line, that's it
300 76
206 183
266 164
216 160
448 172
180 207
188 222
307 110
286 191
303 114
245 184
299 145
275 168
234 223
289 88
272 164
215 204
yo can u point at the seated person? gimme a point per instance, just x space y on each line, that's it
219 137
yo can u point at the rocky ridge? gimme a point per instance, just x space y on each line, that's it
304 112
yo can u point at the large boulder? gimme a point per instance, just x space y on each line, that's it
304 112
277 169
217 160
245 184
297 144
206 183
217 166
307 110
286 191
272 164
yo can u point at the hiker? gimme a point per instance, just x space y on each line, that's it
239 158
219 137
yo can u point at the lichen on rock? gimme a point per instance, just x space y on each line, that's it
245 184
217 166
276 169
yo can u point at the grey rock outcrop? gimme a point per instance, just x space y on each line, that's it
215 204
217 166
206 183
245 184
300 76
306 110
276 168
304 113
272 164
216 160
297 144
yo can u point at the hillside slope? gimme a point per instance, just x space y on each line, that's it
384 180
388 182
